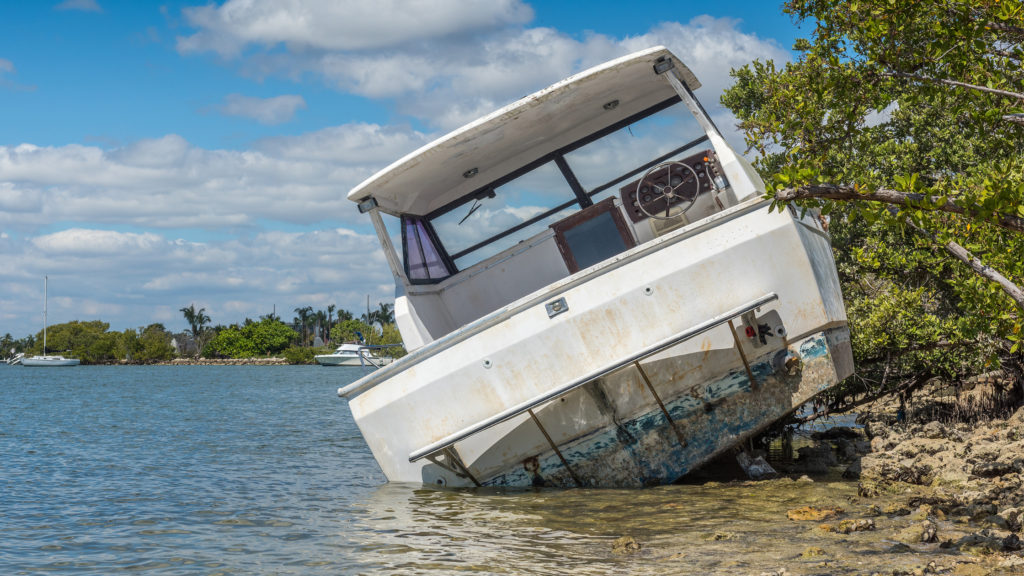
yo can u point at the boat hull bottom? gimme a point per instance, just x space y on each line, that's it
708 419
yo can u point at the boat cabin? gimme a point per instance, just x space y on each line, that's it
547 189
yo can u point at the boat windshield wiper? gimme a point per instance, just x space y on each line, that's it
476 205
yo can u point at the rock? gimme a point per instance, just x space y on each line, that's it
626 545
813 513
985 543
1014 518
867 489
934 430
1012 543
993 469
918 533
846 449
922 513
813 552
965 569
816 459
909 471
853 471
900 548
755 468
882 444
875 427
980 511
836 433
896 509
995 521
848 526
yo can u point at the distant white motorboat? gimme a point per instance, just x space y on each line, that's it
352 355
593 291
16 359
47 359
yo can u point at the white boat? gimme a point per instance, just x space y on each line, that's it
46 359
349 354
15 359
593 292
49 360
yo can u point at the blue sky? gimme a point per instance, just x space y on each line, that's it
159 154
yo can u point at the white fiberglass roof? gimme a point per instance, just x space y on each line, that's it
521 132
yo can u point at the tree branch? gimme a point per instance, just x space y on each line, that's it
999 26
1006 54
832 192
918 78
868 398
979 267
1018 118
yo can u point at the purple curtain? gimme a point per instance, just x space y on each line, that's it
423 262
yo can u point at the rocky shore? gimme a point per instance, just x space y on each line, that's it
942 474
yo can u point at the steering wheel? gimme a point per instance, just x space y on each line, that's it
666 186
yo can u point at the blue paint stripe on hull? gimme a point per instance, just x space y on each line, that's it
645 450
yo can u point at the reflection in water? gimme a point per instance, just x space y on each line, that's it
712 529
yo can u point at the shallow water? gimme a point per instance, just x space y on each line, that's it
260 470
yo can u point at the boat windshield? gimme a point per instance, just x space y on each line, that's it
513 209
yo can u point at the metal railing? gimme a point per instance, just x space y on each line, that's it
554 393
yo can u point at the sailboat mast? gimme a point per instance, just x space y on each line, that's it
45 278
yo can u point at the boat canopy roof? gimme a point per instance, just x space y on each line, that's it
530 128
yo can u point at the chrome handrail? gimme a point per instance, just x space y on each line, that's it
603 371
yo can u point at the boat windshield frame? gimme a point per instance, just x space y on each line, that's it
580 197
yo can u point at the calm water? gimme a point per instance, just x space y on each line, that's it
260 470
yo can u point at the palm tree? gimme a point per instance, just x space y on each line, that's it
303 320
320 317
386 313
197 321
330 319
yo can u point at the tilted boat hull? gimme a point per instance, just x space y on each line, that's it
648 422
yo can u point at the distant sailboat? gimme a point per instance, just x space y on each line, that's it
47 360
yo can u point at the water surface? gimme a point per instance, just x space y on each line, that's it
260 470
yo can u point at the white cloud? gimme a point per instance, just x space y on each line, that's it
79 5
130 279
341 25
276 110
81 242
168 183
6 65
448 80
352 143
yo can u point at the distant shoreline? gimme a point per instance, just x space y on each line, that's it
202 362
225 362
